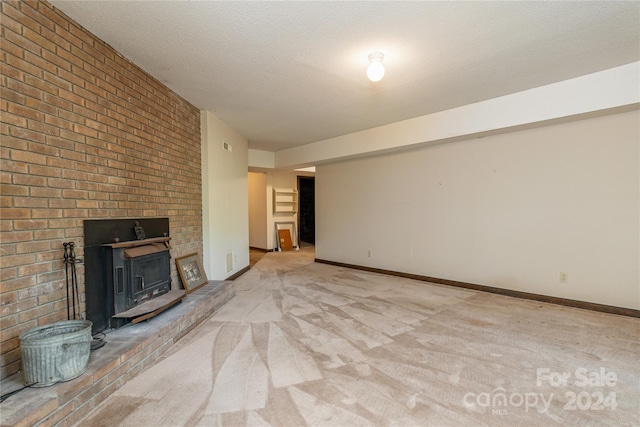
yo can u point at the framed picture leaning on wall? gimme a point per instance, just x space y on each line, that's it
191 272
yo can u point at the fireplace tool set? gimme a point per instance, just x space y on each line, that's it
70 261
73 294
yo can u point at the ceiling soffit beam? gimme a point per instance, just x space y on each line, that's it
605 92
260 159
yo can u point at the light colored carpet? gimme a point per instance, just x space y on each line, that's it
306 344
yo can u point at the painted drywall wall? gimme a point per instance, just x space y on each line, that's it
258 210
225 206
511 210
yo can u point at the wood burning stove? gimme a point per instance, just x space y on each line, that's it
139 271
127 271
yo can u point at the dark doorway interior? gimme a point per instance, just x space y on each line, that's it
307 209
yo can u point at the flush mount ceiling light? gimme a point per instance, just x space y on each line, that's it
375 70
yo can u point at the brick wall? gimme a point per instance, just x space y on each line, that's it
85 134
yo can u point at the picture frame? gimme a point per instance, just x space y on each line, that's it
191 272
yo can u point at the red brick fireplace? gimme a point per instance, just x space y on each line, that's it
86 134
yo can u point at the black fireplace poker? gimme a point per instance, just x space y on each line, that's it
66 273
73 299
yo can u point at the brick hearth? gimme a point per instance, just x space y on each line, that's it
128 351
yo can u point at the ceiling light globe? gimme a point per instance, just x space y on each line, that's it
375 71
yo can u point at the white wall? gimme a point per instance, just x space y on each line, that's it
511 210
224 198
258 210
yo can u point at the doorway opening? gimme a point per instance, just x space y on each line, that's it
307 209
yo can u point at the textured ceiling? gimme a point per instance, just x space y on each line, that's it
284 74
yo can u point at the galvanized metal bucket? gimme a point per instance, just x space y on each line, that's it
56 352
